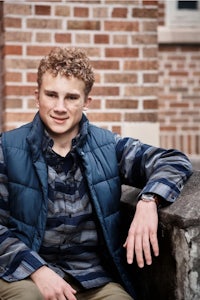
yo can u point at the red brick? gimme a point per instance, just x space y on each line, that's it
145 39
82 38
12 22
95 104
83 25
140 117
63 38
105 91
150 26
179 105
12 50
145 13
94 51
167 48
123 2
86 1
18 36
31 77
23 64
38 50
13 103
19 90
43 10
62 10
150 104
178 73
100 12
17 9
43 23
177 57
81 12
150 2
150 52
13 76
101 39
141 65
18 117
190 48
106 65
104 117
121 26
140 91
43 37
120 78
150 78
97 77
122 52
31 104
119 12
122 103
168 128
120 39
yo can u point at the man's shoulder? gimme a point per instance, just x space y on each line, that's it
100 136
93 129
17 131
15 137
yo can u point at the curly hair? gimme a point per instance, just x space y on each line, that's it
67 62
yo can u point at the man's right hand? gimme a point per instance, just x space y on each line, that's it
52 286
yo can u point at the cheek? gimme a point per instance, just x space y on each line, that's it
78 107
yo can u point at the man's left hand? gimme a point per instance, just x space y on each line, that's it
142 235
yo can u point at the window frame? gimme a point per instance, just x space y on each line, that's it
181 25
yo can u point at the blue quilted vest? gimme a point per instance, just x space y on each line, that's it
28 186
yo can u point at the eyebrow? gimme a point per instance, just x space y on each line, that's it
67 94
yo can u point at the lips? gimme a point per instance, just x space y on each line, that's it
59 120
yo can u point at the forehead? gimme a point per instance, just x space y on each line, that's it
61 82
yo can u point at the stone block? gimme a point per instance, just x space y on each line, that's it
175 274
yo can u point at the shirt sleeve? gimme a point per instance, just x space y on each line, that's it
17 261
152 169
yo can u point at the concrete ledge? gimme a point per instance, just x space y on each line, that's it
178 35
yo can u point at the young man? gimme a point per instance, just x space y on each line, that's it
60 188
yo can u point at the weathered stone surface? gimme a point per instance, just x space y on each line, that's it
175 274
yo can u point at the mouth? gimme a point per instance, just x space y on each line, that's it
59 120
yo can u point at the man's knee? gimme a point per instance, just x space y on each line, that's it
19 290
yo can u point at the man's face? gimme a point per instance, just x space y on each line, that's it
61 101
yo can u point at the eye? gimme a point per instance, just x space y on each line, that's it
72 97
51 94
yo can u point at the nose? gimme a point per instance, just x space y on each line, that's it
60 105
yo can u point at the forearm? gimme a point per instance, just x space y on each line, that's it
152 169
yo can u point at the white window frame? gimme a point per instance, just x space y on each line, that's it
181 25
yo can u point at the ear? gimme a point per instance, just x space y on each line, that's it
37 98
87 102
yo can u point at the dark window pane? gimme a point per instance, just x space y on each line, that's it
187 4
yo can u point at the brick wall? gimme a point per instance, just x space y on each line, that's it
179 111
179 95
1 62
119 36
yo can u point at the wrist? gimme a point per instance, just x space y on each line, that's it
150 197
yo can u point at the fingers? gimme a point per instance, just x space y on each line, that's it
69 296
141 246
129 245
70 293
142 236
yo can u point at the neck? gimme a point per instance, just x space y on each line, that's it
62 148
62 143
